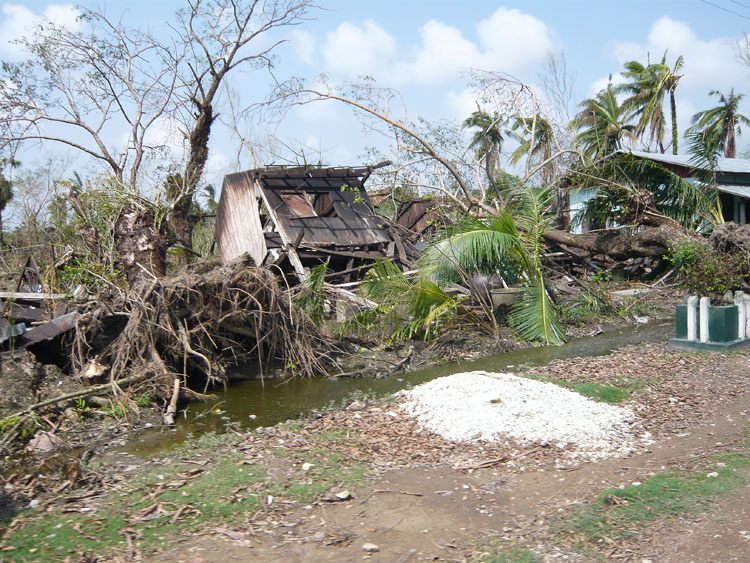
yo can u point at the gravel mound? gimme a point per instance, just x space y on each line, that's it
482 406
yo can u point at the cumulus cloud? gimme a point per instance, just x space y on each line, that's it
16 20
507 41
708 63
304 45
461 104
513 40
358 49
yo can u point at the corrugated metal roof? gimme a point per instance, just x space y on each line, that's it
742 191
724 165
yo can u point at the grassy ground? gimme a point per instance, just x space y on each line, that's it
185 491
615 392
621 514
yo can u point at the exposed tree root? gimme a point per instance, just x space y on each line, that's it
195 323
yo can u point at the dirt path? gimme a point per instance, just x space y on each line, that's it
435 512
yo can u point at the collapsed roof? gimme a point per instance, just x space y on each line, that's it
302 216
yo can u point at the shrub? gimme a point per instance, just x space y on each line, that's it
708 272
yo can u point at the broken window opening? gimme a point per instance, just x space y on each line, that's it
298 203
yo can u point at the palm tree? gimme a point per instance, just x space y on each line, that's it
648 87
508 244
543 138
487 141
721 125
600 124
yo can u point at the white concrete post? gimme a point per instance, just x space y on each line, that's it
692 318
739 300
703 331
746 306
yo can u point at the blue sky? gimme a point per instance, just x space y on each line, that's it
423 48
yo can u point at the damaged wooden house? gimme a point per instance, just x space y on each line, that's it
299 217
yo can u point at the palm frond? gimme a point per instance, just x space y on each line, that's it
535 317
487 246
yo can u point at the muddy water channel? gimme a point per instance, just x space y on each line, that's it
254 403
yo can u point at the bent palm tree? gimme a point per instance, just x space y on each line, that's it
600 124
539 131
648 87
487 141
720 126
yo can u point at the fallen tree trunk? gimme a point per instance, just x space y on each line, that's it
654 238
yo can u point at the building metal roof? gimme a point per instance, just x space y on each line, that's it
742 191
724 165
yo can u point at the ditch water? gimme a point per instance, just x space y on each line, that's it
255 403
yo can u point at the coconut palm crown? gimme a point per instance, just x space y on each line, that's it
648 86
601 125
721 124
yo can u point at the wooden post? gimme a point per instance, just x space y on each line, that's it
739 300
168 417
291 249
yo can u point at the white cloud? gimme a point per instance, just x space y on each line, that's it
442 53
461 104
217 166
358 49
708 63
513 40
304 45
507 41
16 20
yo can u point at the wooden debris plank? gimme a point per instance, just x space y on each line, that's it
30 296
8 330
308 250
48 330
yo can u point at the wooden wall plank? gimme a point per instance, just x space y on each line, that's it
238 225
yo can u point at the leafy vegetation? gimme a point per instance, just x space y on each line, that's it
707 272
428 306
719 127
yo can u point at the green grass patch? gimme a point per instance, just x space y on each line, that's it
514 555
618 514
227 490
599 392
612 392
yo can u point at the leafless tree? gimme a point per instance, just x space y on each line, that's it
384 112
436 152
220 35
83 87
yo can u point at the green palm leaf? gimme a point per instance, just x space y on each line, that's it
535 318
489 245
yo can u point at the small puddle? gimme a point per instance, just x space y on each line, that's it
257 403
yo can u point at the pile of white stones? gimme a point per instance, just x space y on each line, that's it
495 406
